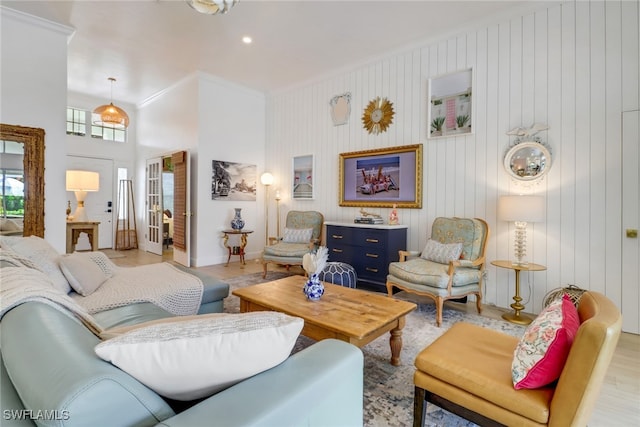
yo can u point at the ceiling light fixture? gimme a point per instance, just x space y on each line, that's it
247 40
110 115
212 7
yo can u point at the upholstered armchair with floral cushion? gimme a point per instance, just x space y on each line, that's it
302 234
451 265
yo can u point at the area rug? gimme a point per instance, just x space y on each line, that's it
388 390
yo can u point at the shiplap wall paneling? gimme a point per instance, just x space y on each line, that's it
563 154
597 135
612 149
552 229
573 66
630 220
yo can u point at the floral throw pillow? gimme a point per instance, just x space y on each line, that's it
542 351
441 253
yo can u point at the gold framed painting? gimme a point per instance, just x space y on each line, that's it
382 177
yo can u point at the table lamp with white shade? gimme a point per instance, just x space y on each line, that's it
521 210
82 182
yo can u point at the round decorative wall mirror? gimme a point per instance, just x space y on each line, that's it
527 161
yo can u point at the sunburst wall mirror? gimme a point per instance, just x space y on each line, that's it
378 116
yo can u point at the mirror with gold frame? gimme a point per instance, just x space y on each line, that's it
33 141
527 161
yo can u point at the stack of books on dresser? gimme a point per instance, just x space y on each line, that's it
368 220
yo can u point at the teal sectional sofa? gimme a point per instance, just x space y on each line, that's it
50 375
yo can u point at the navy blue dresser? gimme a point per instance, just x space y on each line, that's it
368 248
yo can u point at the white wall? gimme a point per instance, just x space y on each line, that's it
214 120
166 124
33 93
573 66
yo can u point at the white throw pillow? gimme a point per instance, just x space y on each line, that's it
194 358
441 253
43 256
86 271
297 235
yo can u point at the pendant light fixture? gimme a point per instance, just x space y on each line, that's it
212 7
110 115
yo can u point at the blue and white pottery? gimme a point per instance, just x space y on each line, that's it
314 288
237 222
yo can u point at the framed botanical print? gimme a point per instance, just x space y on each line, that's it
303 185
450 108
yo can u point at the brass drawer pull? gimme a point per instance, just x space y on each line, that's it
373 270
337 250
373 255
336 236
372 240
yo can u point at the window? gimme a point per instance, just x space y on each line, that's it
77 125
11 179
11 147
106 132
11 193
76 122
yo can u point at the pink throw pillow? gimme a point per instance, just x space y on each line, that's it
542 351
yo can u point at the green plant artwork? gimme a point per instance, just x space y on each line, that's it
462 121
436 124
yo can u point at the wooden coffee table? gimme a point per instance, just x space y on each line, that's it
352 315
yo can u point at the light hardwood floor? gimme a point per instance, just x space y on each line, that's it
619 401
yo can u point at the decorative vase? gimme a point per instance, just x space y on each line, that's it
237 222
314 288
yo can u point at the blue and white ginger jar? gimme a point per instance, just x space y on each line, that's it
237 222
314 288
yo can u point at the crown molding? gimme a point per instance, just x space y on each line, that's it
46 24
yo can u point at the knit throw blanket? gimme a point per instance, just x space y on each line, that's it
164 285
23 284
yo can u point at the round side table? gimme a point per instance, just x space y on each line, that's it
517 306
235 250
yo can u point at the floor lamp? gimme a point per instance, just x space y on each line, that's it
278 198
81 182
521 210
266 179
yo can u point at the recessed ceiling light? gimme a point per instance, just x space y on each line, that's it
247 40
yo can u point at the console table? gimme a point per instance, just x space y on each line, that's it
75 228
369 248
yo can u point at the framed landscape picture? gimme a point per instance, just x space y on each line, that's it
382 177
449 109
233 181
303 177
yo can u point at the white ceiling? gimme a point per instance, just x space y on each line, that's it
149 45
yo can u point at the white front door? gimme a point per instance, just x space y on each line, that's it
99 204
153 234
